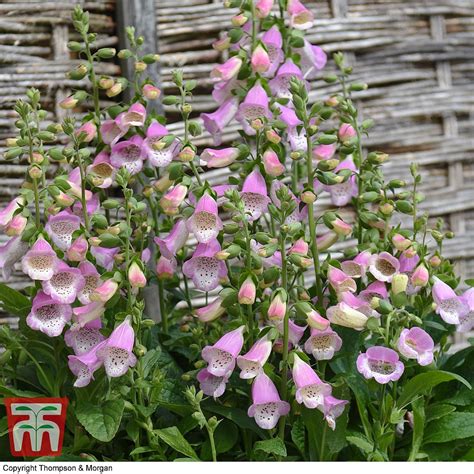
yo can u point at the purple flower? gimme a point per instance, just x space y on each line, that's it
219 158
311 390
134 117
251 364
332 409
91 281
116 353
101 171
204 268
380 363
227 70
6 215
221 357
61 227
254 195
323 344
267 405
65 284
300 17
48 316
112 131
175 241
356 267
88 313
344 315
342 193
41 261
416 344
82 340
215 122
313 58
273 42
11 253
211 311
384 266
280 84
205 223
211 385
255 104
466 322
377 289
104 257
129 154
158 155
449 306
83 366
340 281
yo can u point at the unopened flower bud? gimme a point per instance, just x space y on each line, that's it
332 101
35 172
256 124
399 283
187 154
295 155
239 20
247 292
409 253
10 142
115 90
400 242
435 261
386 209
151 92
308 197
136 277
221 44
420 276
68 103
106 82
37 158
273 136
187 108
140 66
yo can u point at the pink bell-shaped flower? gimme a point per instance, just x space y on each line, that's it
227 70
273 42
311 390
175 240
211 385
101 171
267 406
129 154
222 355
83 366
48 316
157 153
219 158
384 266
82 340
116 353
415 343
323 344
205 223
211 311
204 268
254 195
10 253
332 409
449 306
65 284
215 122
251 364
381 364
60 228
41 261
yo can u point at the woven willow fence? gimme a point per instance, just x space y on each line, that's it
416 55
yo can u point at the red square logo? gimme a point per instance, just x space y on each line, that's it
36 425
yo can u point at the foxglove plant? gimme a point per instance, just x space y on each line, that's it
137 261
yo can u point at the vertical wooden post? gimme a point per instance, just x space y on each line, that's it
142 15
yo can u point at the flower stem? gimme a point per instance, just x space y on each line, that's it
83 192
323 442
163 313
312 224
284 373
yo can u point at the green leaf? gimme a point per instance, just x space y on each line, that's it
173 438
298 435
14 302
418 427
424 382
360 441
271 446
101 421
238 416
453 426
434 412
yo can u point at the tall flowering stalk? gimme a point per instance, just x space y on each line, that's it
256 299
